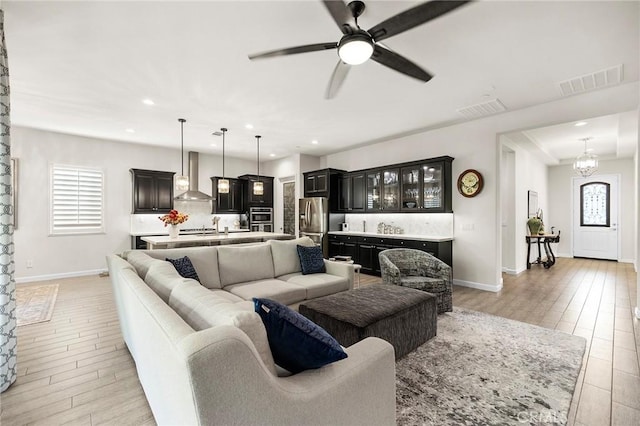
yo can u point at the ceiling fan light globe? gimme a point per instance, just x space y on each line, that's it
355 49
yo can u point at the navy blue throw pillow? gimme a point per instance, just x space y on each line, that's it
297 343
184 267
311 260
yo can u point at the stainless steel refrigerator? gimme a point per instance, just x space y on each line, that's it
315 221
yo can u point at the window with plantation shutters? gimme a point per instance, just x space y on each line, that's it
77 200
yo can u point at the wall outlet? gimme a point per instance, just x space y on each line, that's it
468 227
29 263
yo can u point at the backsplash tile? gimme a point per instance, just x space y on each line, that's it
199 216
428 224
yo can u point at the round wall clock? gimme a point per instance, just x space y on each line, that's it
470 183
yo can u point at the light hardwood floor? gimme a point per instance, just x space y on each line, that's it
76 369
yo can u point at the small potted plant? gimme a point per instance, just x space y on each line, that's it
174 218
535 224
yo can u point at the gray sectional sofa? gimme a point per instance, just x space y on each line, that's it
202 353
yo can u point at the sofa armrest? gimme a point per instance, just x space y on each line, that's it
345 270
230 385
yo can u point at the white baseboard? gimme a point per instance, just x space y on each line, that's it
625 260
50 277
486 287
509 271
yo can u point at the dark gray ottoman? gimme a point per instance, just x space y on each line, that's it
404 317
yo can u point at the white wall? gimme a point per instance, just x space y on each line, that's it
560 204
283 170
476 250
58 256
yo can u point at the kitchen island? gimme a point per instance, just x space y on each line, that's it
212 239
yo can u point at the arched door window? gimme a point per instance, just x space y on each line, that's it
595 204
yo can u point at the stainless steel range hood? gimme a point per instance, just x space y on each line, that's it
193 194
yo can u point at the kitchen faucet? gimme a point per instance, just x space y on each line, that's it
364 226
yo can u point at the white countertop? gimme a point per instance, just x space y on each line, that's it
431 238
258 236
166 232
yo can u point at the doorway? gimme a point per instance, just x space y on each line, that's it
595 217
289 207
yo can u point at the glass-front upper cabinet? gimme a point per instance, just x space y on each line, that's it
374 190
432 186
411 188
391 189
422 187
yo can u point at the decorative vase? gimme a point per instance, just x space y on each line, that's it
173 231
536 227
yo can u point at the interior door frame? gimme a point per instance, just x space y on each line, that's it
279 204
574 181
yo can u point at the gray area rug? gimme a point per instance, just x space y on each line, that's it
485 370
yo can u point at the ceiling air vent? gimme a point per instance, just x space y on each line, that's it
584 83
493 106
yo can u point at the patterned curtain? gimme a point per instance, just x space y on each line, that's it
8 340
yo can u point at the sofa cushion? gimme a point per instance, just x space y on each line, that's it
243 264
317 285
204 260
311 260
281 291
141 261
202 308
285 254
162 277
184 267
297 343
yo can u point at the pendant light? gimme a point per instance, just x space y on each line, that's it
223 184
182 181
587 163
258 186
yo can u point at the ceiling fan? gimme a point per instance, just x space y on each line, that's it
357 45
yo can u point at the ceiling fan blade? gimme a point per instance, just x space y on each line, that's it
399 63
294 50
337 78
341 14
412 18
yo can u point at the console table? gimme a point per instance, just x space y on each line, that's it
545 240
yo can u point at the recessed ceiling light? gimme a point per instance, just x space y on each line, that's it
272 155
249 126
130 131
148 102
315 142
213 144
580 123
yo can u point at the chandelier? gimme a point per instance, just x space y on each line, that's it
587 163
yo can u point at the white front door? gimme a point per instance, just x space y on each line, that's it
595 217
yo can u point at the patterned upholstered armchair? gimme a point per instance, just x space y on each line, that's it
419 270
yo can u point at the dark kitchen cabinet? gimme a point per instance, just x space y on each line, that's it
351 190
383 190
253 200
233 201
324 183
343 246
316 184
365 250
426 187
152 191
